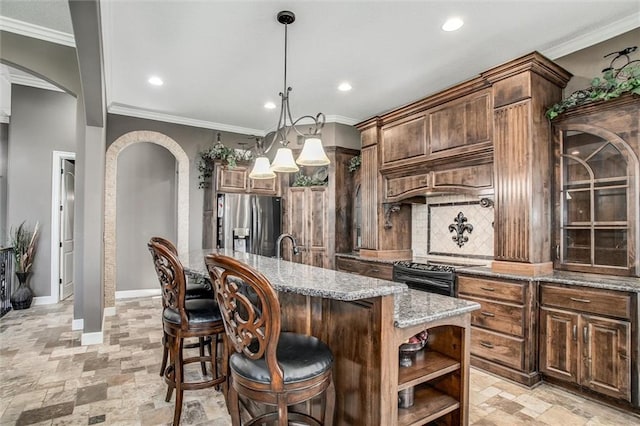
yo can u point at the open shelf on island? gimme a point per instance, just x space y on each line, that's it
429 404
427 366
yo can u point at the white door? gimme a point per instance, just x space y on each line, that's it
67 195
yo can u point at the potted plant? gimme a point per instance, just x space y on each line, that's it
24 245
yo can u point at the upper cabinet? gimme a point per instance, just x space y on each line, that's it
236 179
448 129
596 170
460 123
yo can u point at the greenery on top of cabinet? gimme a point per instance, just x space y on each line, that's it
611 85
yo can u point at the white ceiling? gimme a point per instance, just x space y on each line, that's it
222 60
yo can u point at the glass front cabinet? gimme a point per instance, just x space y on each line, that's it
596 206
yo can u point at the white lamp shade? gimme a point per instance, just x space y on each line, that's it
261 169
283 161
313 153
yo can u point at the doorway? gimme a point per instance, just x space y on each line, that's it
62 225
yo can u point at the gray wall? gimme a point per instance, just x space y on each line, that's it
146 207
588 63
4 143
192 140
42 121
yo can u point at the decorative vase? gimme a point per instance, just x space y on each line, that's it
22 296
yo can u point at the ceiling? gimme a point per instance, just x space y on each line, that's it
221 61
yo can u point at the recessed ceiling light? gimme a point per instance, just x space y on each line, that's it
156 81
269 105
452 24
344 87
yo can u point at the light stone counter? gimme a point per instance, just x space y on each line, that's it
306 280
411 307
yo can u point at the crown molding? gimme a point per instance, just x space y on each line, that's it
341 119
36 31
594 36
27 80
119 109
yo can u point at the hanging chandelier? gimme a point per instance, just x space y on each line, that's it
312 151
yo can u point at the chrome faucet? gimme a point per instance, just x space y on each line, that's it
296 250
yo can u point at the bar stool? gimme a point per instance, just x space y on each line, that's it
183 319
275 368
194 291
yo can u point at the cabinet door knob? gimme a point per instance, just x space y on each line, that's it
488 288
486 345
575 333
585 334
487 314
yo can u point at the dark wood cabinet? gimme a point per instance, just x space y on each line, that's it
370 268
503 338
586 338
306 220
460 123
596 173
236 179
404 140
321 217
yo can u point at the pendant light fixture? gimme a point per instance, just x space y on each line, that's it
312 152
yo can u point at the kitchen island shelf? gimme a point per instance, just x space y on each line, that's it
427 366
429 404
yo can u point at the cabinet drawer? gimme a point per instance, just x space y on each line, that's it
509 291
370 269
604 302
497 347
496 316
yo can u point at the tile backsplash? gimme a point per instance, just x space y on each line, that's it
430 227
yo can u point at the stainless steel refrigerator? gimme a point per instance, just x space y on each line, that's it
249 223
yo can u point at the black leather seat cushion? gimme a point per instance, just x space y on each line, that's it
198 311
198 291
301 357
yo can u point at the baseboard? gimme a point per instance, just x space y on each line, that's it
128 294
109 312
77 324
44 300
91 338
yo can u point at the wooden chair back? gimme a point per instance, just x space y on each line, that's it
168 244
172 279
250 311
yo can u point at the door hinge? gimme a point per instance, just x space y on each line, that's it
60 244
61 171
60 280
61 207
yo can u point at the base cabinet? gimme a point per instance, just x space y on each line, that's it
503 337
586 349
369 268
438 376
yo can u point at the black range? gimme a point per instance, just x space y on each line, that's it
429 277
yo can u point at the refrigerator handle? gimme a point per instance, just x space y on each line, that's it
256 227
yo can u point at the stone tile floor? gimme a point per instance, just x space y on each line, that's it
48 378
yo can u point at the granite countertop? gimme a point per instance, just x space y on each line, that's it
411 307
415 307
302 279
608 282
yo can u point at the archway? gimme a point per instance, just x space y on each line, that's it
111 170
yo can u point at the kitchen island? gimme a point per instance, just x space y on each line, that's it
364 321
